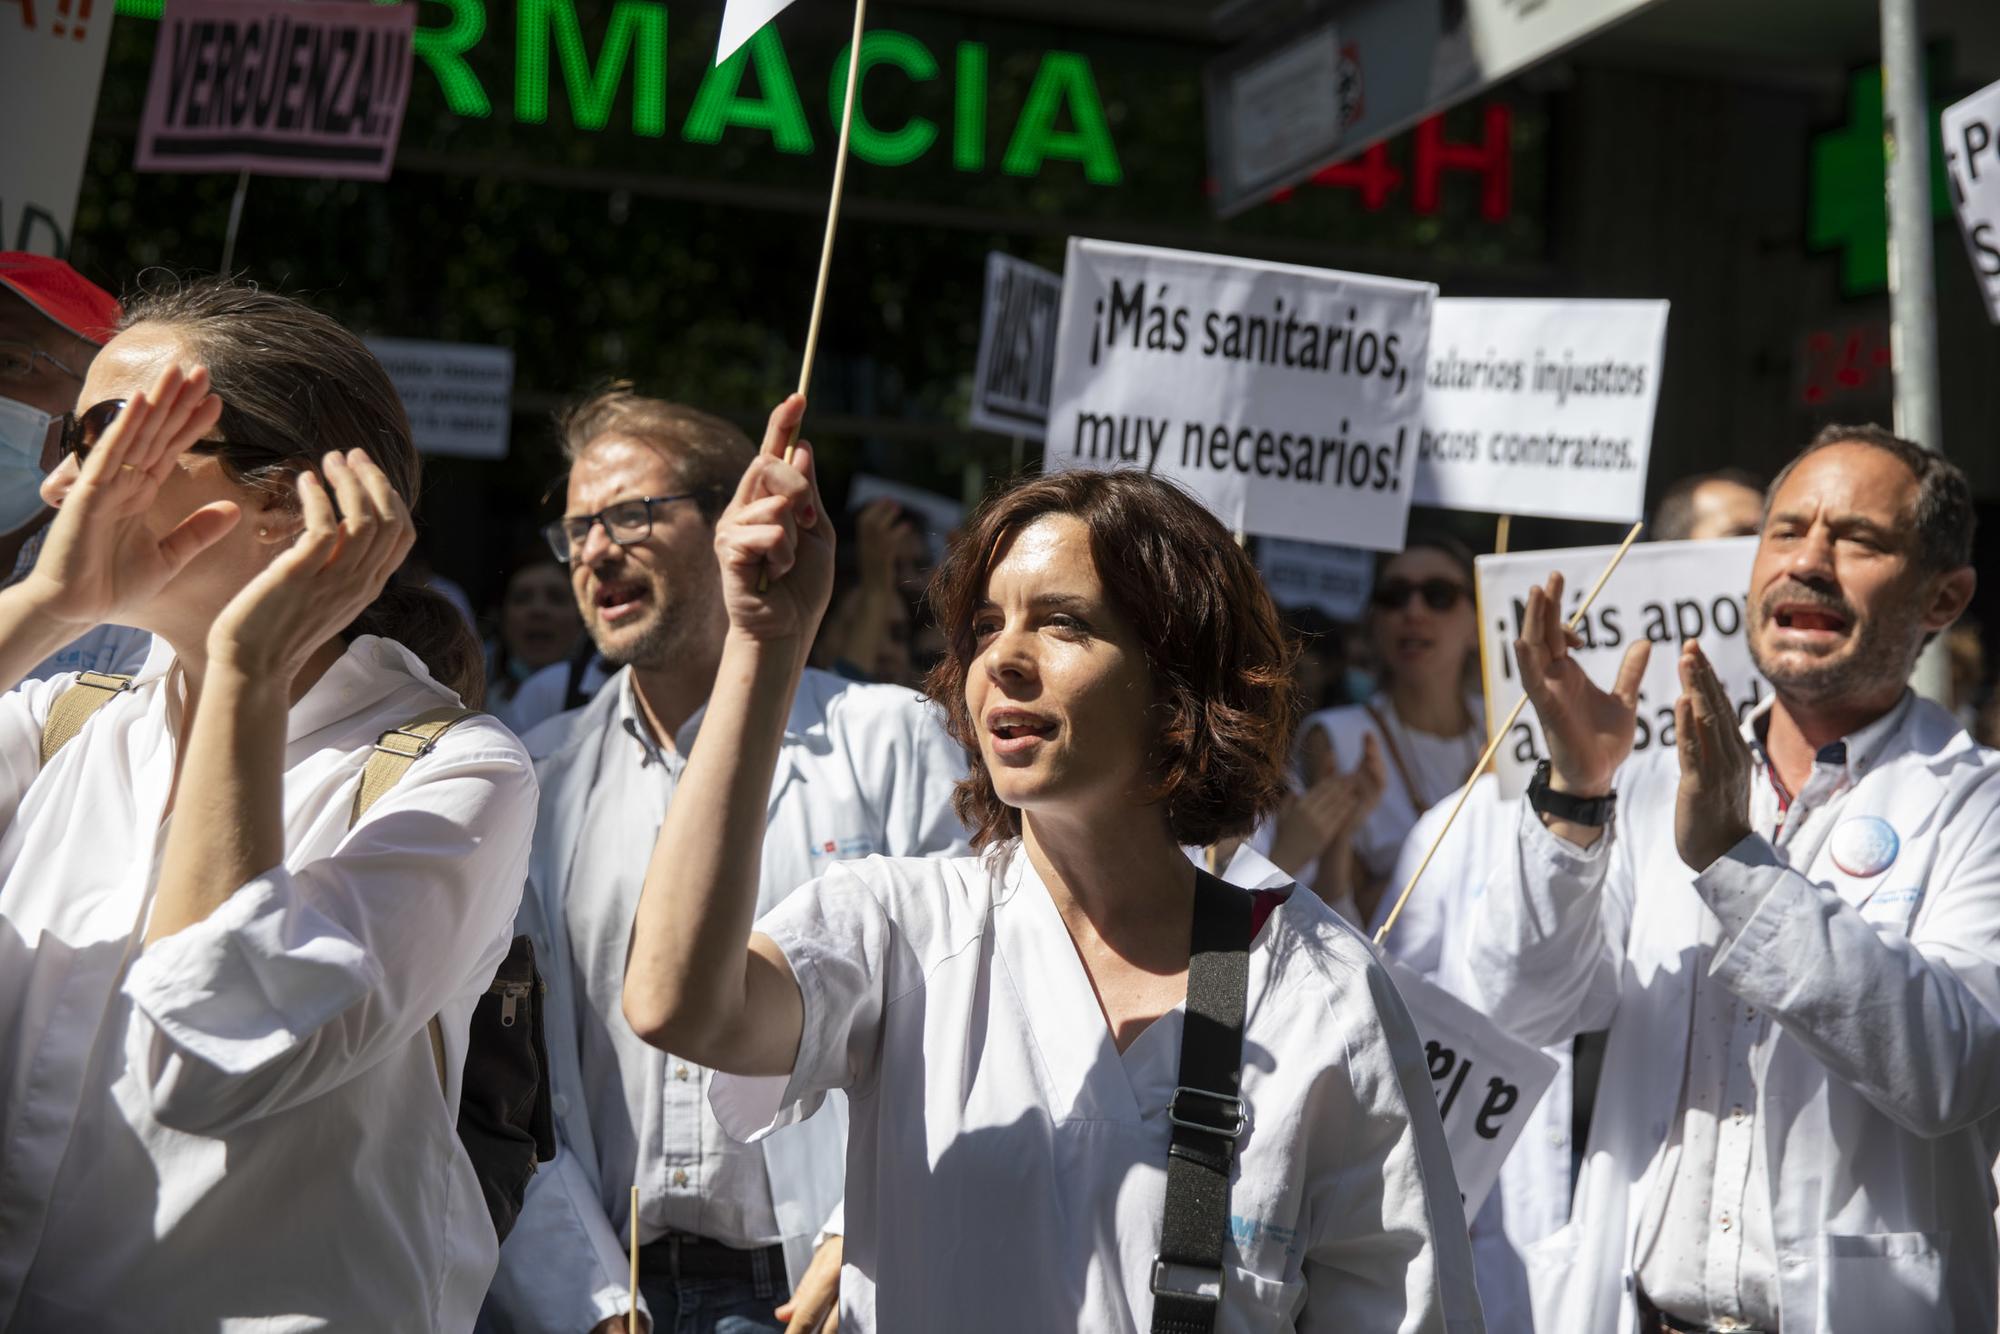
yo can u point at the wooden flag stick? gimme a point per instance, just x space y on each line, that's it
1499 734
1503 531
832 222
833 204
632 1313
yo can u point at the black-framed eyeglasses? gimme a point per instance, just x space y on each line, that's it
626 522
17 362
1438 594
82 430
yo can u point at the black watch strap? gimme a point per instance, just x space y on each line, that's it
1592 812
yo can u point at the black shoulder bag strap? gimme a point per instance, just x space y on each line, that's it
1206 1112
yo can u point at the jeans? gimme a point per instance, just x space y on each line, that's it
715 1305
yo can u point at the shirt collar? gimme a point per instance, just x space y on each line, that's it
1856 753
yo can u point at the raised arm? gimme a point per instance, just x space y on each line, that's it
697 981
101 557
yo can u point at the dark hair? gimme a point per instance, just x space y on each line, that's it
1430 539
1673 517
294 385
1944 519
1220 663
709 454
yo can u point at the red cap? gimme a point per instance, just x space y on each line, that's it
61 293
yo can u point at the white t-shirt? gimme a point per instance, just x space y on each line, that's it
1007 1165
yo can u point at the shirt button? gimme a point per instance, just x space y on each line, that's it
680 1176
681 1073
561 1104
1725 1223
1736 1112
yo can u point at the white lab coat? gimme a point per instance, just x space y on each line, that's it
1881 1097
240 1126
862 768
1007 1164
1531 1199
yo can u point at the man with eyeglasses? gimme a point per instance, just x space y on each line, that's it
52 321
728 1231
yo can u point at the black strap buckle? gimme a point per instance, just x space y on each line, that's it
1207 1111
1171 1278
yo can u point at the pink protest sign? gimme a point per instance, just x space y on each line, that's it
281 87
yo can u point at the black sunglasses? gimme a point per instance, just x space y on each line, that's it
1438 594
82 430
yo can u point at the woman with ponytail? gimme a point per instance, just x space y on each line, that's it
223 1101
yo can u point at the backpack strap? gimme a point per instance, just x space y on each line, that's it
395 751
90 692
1206 1112
399 748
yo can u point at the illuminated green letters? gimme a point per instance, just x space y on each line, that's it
1063 79
638 29
720 104
1062 117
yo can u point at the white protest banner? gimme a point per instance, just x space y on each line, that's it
1487 1080
1972 155
1541 407
1288 399
1664 592
1017 348
940 515
1305 574
51 63
303 88
459 395
1285 104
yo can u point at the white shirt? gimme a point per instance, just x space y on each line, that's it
1437 765
1877 1085
1706 1244
691 1176
239 1127
545 694
862 768
1007 1165
1531 1199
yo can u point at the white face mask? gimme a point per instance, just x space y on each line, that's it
23 432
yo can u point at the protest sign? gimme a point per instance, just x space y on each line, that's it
1017 348
1972 155
1288 399
1541 407
303 88
940 515
1287 103
51 63
459 395
1336 580
1664 592
1487 1081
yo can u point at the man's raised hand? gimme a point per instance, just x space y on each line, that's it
1589 730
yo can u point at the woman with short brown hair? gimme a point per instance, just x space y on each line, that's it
1007 1026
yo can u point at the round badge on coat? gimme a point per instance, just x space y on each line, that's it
1865 845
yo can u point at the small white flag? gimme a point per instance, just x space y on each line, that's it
740 21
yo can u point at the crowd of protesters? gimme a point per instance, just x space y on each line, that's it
749 925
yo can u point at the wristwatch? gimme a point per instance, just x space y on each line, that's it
1588 811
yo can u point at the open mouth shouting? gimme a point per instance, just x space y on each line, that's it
619 600
1810 623
1016 733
